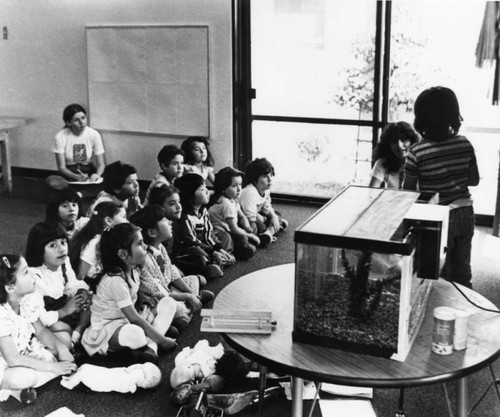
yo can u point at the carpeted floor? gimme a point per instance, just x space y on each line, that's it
19 214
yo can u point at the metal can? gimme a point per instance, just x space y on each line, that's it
443 331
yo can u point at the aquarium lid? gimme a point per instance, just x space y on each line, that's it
363 218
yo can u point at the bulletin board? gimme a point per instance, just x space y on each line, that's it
149 79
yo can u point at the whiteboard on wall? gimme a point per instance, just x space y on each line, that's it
149 79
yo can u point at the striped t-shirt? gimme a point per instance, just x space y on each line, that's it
441 167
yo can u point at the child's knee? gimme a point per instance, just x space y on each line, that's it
166 305
19 378
132 336
60 326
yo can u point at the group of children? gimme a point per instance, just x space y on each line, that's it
127 277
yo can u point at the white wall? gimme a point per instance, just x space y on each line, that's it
43 69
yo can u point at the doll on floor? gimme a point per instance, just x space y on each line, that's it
195 363
206 368
101 379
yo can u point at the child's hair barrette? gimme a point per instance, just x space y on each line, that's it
6 262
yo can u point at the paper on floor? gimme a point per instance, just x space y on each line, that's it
64 412
347 391
346 408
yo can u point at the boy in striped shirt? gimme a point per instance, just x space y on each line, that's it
445 163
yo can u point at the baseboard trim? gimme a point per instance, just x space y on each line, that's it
31 172
44 173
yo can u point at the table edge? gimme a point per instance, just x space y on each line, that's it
281 368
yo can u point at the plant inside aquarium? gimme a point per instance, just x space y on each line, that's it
364 294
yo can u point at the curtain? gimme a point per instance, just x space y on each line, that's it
487 50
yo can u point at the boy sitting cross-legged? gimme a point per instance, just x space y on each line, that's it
120 185
159 278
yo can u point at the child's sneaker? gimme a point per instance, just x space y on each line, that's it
245 252
206 296
143 355
283 224
172 332
265 238
213 271
28 396
180 323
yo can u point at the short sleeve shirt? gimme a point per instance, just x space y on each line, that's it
113 294
252 203
19 326
78 149
391 180
89 255
222 210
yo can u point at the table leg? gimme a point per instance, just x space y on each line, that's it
462 397
262 388
297 387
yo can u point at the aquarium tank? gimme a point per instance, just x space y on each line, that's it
359 282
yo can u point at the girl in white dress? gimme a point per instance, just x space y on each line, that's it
66 298
83 249
30 355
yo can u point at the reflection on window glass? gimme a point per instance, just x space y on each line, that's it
314 58
312 159
308 58
435 44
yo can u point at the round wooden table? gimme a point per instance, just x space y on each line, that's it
272 289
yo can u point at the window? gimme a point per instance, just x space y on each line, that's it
317 66
300 50
434 43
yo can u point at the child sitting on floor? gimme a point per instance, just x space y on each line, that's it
83 249
255 200
65 207
196 249
197 158
27 348
159 278
120 185
168 197
66 298
225 213
171 160
115 322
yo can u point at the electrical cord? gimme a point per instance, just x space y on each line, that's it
472 302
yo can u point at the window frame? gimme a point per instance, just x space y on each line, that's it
244 93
